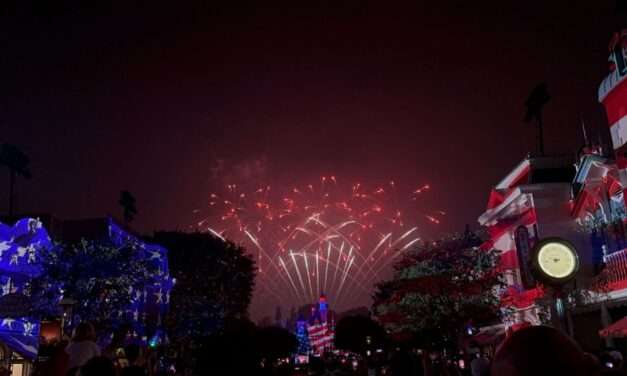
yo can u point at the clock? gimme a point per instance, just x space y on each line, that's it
555 261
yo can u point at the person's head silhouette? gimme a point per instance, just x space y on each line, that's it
540 351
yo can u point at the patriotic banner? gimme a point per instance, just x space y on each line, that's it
320 337
150 304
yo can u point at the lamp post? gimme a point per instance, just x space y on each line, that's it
555 262
67 305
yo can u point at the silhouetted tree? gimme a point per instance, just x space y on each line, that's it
230 351
127 201
358 333
535 105
274 342
241 348
18 164
357 311
214 282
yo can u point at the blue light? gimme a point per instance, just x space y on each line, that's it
20 248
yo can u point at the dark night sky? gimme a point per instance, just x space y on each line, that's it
148 97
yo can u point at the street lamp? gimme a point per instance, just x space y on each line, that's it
67 305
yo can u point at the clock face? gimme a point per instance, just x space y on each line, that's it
557 260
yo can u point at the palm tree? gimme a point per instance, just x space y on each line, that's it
535 105
17 162
127 201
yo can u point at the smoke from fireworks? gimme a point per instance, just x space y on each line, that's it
319 238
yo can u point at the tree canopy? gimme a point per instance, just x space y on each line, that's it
15 160
438 289
18 164
241 348
214 282
97 275
358 333
274 342
128 203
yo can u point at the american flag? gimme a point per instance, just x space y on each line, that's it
320 337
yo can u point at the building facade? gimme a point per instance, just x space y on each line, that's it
580 199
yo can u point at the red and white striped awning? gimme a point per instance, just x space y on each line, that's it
615 330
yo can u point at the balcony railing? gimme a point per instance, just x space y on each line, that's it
614 275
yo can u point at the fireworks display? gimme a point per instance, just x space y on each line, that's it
327 237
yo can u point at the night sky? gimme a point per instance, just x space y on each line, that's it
149 98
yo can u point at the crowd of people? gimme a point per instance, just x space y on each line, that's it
532 351
536 351
82 356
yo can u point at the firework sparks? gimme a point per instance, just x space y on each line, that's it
354 234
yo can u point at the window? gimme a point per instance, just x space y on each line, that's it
523 250
619 57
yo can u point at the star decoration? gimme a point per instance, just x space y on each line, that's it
8 322
28 328
159 296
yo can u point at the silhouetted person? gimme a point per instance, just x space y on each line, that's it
612 363
401 363
316 365
83 346
480 366
117 342
98 366
541 351
135 361
57 365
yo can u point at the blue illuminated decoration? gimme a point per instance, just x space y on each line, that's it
20 247
149 305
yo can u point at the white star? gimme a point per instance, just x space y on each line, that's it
159 296
8 323
155 255
31 256
14 260
3 247
34 224
21 251
28 328
138 295
6 288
